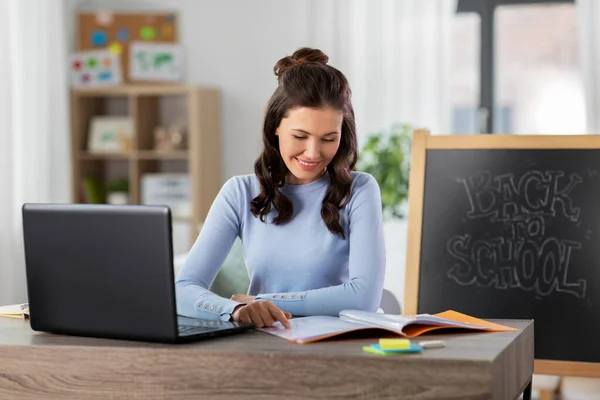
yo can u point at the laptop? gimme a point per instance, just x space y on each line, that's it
107 271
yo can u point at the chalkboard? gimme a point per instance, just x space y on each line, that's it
502 229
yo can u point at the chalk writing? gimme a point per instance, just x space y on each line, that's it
504 197
520 255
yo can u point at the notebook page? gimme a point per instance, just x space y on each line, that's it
398 322
309 328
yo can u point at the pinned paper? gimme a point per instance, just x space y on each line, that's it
148 33
104 18
123 34
115 48
95 68
99 38
166 31
155 62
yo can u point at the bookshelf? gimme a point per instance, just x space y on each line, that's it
149 107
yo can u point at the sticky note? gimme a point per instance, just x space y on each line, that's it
376 349
388 344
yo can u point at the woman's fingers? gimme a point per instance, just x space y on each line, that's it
255 315
244 315
279 315
263 314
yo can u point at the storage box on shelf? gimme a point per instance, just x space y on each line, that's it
175 130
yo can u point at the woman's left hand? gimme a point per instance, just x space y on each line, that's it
242 298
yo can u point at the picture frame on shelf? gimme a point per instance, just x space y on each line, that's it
110 134
156 62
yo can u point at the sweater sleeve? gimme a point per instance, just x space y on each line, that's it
364 287
219 231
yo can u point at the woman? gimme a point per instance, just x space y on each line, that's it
310 225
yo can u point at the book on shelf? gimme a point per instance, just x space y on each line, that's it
315 328
15 311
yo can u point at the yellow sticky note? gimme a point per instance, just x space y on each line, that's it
116 48
394 344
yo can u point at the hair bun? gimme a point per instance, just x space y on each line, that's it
301 56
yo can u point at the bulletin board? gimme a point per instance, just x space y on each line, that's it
115 32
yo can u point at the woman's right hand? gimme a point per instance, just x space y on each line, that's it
261 313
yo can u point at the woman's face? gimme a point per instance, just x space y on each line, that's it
309 138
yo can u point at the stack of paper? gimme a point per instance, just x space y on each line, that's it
15 311
387 347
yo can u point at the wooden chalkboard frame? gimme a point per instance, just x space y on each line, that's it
423 141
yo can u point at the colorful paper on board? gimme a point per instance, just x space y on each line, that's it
95 68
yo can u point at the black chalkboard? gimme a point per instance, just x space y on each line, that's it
515 233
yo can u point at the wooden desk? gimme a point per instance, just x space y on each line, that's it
256 365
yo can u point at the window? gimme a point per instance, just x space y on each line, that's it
515 68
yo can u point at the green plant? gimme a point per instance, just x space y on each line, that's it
386 156
118 185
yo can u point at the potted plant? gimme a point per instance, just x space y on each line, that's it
117 191
386 156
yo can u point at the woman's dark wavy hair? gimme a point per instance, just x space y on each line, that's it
305 80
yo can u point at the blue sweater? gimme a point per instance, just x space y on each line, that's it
300 266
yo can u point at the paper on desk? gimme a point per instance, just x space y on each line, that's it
308 329
15 311
313 328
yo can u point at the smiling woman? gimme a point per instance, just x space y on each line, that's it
306 154
310 225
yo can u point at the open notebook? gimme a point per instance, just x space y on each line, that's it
314 328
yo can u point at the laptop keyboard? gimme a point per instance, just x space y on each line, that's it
200 327
190 330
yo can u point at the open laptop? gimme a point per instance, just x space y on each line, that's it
107 271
